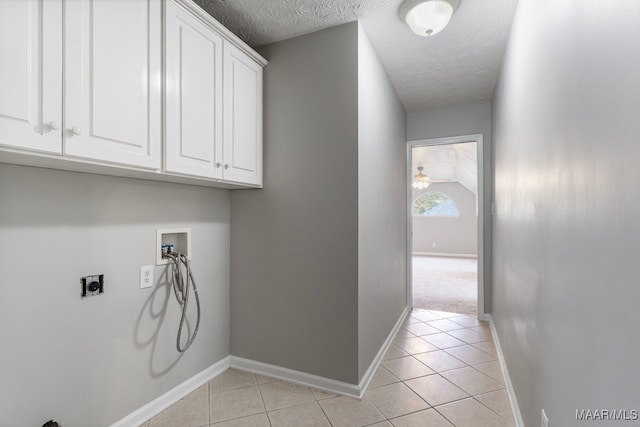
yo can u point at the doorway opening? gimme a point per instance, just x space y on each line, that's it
445 258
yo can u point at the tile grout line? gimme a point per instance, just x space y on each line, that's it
470 328
322 409
470 396
266 412
209 399
489 408
444 416
445 403
486 343
317 402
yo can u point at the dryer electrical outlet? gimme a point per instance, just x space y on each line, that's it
92 285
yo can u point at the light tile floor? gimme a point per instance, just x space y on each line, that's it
442 370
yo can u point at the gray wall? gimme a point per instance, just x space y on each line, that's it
453 120
456 121
567 134
90 362
447 235
294 246
382 226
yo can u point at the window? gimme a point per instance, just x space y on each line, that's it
434 203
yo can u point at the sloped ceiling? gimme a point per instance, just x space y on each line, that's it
450 162
458 66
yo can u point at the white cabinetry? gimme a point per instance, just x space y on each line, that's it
213 100
31 75
193 119
112 85
82 88
242 117
113 103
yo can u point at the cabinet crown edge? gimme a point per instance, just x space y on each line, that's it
230 37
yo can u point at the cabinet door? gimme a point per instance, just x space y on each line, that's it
113 107
31 75
193 117
243 117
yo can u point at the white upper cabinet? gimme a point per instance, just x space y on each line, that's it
31 75
193 118
145 88
213 111
243 117
113 103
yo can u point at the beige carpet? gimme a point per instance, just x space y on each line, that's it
445 284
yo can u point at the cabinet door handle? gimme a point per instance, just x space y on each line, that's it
226 166
218 165
76 130
47 127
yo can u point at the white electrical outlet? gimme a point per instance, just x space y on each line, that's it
146 276
545 420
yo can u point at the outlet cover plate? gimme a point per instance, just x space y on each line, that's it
146 276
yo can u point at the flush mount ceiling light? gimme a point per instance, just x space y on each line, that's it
427 17
420 180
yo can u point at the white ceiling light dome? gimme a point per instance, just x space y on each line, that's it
427 17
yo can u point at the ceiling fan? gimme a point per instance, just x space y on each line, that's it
422 181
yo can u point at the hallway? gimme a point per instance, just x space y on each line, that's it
442 370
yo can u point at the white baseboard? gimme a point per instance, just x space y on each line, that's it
366 379
296 377
484 317
507 379
161 403
443 254
156 406
318 382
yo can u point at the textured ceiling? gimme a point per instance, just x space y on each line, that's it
259 22
459 65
